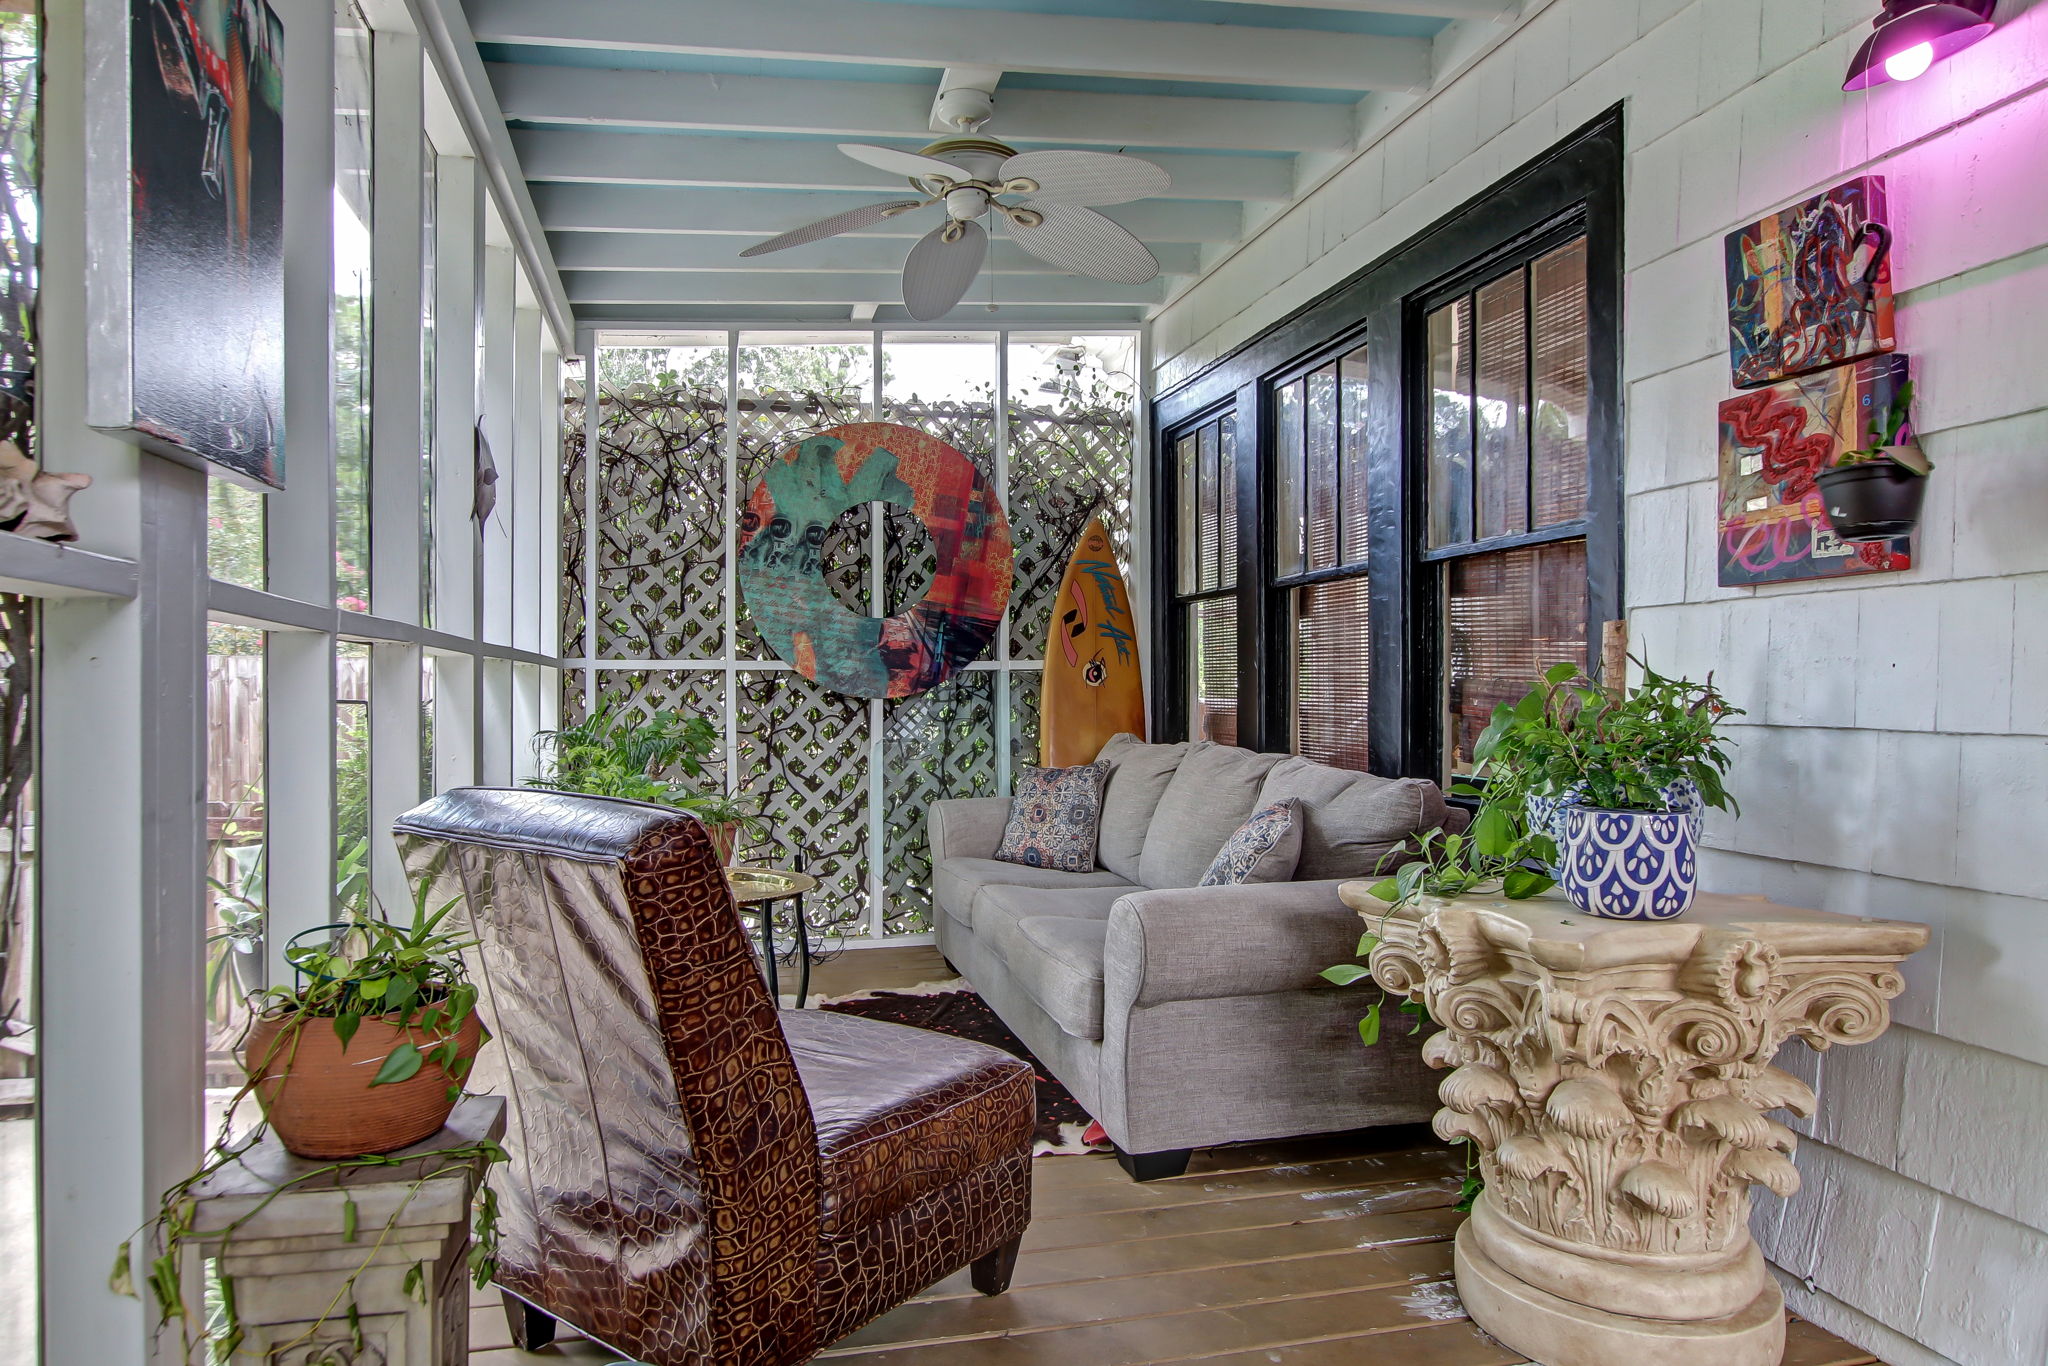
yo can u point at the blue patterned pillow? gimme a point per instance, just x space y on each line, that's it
1054 818
1264 849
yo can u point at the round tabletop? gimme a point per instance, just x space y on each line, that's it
751 886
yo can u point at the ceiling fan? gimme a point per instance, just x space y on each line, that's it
1046 196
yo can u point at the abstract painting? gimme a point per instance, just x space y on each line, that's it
1810 287
782 560
1773 442
185 172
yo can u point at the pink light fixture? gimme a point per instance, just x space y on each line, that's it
1912 35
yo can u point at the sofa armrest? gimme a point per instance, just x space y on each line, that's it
967 827
1198 943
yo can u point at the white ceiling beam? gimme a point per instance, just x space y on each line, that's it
854 252
757 214
828 289
594 157
877 31
686 100
1494 10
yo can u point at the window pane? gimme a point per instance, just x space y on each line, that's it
1351 399
236 902
1322 468
1187 454
1502 411
1331 673
351 319
429 183
1509 616
1289 501
1450 428
352 775
1208 540
1226 476
1212 670
234 534
19 1083
1558 476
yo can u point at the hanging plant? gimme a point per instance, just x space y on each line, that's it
1874 493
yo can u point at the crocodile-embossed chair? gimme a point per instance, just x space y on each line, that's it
698 1178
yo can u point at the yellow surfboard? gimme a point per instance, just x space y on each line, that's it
1093 686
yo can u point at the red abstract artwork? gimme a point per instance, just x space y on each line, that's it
1773 442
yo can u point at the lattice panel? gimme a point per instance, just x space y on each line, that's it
575 479
1024 693
939 745
770 424
1064 469
644 692
805 751
661 517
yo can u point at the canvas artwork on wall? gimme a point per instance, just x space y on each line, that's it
186 224
1810 287
1773 442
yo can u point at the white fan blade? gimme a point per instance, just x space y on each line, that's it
938 272
867 215
1075 177
1084 242
902 163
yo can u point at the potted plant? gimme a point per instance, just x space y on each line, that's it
368 1052
1618 783
1874 493
611 755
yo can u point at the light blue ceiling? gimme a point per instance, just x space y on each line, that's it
658 143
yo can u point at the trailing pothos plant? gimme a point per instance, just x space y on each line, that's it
409 973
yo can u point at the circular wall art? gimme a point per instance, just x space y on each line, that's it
782 547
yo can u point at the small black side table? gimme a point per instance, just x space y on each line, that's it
756 890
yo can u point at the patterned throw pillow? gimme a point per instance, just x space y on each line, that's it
1264 849
1054 818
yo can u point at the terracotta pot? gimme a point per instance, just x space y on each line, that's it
1874 501
725 837
319 1099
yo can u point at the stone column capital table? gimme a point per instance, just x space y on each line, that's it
1616 1080
289 1252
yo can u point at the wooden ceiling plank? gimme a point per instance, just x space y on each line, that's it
854 252
599 288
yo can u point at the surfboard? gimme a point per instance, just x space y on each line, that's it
1093 687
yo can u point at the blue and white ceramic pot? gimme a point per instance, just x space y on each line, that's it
1545 811
1629 865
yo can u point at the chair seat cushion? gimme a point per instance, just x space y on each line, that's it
902 1112
959 882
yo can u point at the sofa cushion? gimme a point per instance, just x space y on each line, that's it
1352 821
1138 775
958 883
1054 818
1213 790
1264 849
1057 960
1002 909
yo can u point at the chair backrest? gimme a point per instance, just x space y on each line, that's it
662 1193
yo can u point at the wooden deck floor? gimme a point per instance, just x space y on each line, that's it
1324 1252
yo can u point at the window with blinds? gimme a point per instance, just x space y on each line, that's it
1205 458
1320 496
1507 484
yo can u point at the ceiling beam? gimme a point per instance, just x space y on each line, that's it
593 157
654 319
763 213
879 31
855 252
864 109
1498 11
743 287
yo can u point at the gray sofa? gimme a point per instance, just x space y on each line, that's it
1180 1016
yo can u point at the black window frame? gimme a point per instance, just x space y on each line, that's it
1574 187
1174 716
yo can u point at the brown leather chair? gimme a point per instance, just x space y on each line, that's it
698 1178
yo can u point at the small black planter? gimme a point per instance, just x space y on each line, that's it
1875 501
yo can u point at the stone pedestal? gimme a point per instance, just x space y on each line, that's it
1616 1079
289 1254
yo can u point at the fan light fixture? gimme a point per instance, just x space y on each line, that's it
1912 35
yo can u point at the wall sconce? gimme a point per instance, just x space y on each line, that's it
1912 35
